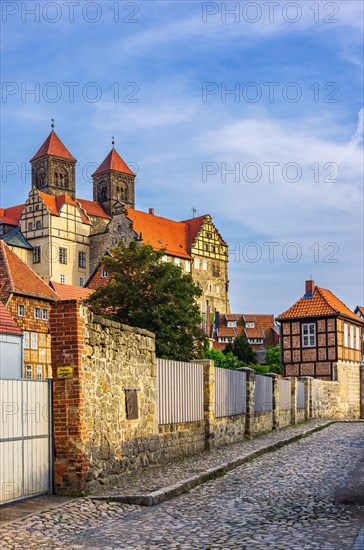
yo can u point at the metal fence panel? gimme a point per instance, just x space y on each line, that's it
230 392
284 387
300 395
180 392
263 395
25 439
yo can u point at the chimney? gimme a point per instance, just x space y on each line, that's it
151 211
310 287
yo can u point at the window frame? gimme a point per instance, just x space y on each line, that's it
104 274
36 255
39 368
37 313
19 309
81 259
28 369
309 335
62 278
45 314
62 255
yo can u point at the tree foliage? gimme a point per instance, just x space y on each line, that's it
148 293
222 360
242 349
273 359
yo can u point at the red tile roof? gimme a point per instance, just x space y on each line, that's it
323 302
93 208
54 205
69 292
53 146
194 227
11 215
22 279
7 324
113 161
161 233
361 309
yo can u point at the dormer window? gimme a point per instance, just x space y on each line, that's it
232 324
250 324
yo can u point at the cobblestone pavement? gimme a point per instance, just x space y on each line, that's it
155 477
308 495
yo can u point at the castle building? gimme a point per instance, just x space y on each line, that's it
63 238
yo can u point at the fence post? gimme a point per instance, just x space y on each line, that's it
275 393
250 388
208 401
293 400
361 391
308 401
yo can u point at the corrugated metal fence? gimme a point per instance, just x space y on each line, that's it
300 395
263 395
284 387
25 439
180 392
230 392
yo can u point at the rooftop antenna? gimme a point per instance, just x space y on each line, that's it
193 209
52 123
113 141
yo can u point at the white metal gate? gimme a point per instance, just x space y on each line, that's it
25 439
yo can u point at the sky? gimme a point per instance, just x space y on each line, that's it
249 111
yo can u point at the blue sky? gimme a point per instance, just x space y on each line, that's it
153 74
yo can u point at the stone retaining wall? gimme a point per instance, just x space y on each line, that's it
99 431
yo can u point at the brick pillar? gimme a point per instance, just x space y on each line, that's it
275 391
308 396
71 462
208 401
293 400
250 388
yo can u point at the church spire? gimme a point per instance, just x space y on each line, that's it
113 183
53 167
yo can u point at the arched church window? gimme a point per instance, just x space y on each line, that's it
102 194
40 177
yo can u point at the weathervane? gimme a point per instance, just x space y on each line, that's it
52 122
113 141
193 209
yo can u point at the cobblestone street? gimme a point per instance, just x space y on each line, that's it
307 495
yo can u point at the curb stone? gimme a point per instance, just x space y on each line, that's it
170 491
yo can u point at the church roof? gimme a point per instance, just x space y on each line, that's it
15 237
53 146
7 324
11 215
93 208
321 302
21 278
161 232
114 162
54 204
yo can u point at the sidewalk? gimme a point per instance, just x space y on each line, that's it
154 484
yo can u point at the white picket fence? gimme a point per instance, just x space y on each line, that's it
230 392
263 396
25 439
180 392
285 388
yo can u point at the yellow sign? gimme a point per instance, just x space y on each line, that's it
64 372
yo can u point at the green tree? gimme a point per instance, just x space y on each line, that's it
147 293
222 360
242 349
273 359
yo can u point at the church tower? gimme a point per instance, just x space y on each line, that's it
113 184
54 168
